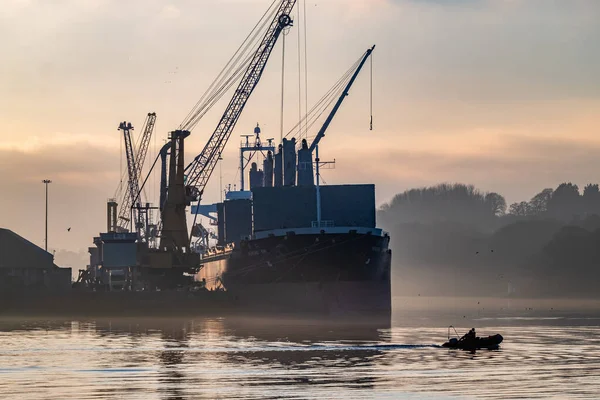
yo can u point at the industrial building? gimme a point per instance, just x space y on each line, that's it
23 265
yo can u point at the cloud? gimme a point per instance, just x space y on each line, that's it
82 180
516 166
170 12
503 94
57 141
443 2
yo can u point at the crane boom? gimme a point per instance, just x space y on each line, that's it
135 164
133 182
335 109
200 170
144 143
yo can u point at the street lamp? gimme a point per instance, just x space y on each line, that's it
46 182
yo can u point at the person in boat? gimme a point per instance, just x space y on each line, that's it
469 336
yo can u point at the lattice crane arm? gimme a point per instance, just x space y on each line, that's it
132 182
201 168
135 164
144 144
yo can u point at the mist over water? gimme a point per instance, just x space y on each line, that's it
456 240
551 350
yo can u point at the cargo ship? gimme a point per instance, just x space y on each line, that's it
290 262
299 246
287 244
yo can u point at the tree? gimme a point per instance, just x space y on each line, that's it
496 204
591 199
591 190
442 203
539 203
521 209
565 202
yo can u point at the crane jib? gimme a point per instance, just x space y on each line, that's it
135 164
200 170
338 104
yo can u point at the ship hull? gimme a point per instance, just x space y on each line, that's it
339 274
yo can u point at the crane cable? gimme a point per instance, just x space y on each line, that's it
282 85
305 68
302 57
229 74
329 97
120 166
299 76
371 95
235 59
190 125
323 104
214 93
319 108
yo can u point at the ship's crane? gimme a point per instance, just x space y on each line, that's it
305 153
135 165
337 106
187 185
199 171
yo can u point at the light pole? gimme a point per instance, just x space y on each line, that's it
46 182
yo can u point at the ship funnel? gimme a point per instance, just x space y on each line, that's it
278 176
268 170
305 166
256 176
289 162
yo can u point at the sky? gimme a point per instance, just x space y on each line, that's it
502 94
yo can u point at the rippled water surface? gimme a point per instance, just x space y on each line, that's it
555 355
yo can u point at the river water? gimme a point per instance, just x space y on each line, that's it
547 353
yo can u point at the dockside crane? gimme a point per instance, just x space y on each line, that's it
135 165
200 170
174 234
144 143
132 181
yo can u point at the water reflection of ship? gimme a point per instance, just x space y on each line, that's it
303 346
175 338
174 351
302 330
236 328
171 376
300 345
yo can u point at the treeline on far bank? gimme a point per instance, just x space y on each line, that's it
453 239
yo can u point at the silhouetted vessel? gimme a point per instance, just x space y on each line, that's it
491 342
300 246
338 270
303 247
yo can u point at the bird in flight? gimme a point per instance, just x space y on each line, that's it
69 229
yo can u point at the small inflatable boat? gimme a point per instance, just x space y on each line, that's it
489 342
